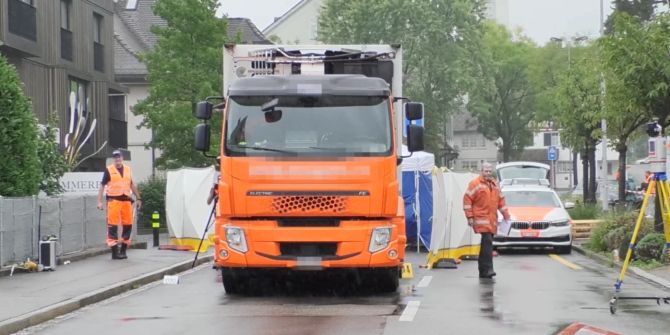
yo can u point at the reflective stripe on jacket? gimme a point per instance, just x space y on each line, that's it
118 185
481 202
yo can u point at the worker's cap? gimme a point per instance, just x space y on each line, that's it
117 153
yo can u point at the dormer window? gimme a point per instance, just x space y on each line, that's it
131 4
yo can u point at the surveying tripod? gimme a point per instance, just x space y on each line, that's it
660 183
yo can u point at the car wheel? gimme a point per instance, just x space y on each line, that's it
564 250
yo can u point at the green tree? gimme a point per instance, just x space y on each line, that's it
642 9
20 167
52 160
505 108
184 68
441 40
578 101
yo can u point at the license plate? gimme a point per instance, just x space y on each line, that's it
309 262
530 233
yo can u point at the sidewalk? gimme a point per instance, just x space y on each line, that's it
659 276
32 298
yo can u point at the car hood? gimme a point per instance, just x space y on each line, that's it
538 214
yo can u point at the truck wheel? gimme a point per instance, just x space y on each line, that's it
387 280
232 281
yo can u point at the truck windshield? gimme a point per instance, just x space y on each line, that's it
308 126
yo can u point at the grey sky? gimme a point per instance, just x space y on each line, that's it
539 19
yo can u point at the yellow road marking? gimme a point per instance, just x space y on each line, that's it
565 262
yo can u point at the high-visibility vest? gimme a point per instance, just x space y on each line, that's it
118 185
481 202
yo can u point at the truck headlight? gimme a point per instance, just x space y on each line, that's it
235 238
380 239
560 223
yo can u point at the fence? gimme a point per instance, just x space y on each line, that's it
74 220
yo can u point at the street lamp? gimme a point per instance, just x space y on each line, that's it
603 88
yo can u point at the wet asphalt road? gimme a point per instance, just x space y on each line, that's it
533 294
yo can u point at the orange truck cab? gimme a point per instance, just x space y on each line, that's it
309 159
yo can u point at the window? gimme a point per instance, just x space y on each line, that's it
550 138
131 4
483 141
65 11
97 28
29 2
469 165
80 90
564 167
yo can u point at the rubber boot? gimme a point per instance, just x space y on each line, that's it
122 254
115 252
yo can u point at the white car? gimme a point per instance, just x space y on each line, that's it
539 218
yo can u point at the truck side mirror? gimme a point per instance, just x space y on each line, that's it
414 111
203 110
202 137
414 138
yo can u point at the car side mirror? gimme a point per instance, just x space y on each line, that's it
569 205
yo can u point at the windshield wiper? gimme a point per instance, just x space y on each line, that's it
264 149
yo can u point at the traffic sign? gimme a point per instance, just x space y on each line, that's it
552 153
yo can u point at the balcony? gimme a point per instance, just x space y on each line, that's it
99 57
22 19
66 44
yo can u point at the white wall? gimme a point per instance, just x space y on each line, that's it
299 28
141 160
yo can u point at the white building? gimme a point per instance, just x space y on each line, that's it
299 25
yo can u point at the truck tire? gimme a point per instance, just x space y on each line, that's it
232 280
386 280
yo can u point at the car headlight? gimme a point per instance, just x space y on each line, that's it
562 223
235 238
380 239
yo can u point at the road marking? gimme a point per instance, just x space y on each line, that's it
565 262
425 281
410 311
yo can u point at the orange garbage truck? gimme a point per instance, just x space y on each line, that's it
309 155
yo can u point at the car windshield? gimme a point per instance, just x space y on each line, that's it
308 125
522 171
531 199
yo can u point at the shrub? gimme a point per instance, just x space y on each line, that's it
153 199
651 248
20 172
616 231
584 212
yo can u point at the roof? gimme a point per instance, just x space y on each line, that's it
133 36
289 13
464 121
351 85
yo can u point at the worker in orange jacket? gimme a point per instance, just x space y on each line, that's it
481 203
117 183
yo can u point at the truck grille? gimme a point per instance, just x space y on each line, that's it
530 225
324 204
308 249
308 222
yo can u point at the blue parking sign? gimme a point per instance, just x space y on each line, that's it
552 153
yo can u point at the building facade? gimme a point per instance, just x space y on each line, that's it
299 25
63 46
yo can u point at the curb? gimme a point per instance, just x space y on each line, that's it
77 256
641 274
44 314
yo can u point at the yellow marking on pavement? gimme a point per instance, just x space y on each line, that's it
565 262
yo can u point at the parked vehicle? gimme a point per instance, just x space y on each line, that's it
309 161
539 219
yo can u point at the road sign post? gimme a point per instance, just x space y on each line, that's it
552 156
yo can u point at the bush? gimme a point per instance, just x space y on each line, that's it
20 172
651 248
153 199
584 212
616 231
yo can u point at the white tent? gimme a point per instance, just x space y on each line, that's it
419 161
451 238
186 206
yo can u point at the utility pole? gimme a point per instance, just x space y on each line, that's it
603 165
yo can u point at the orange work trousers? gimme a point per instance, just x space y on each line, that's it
119 213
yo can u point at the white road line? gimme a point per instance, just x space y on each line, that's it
410 311
425 281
